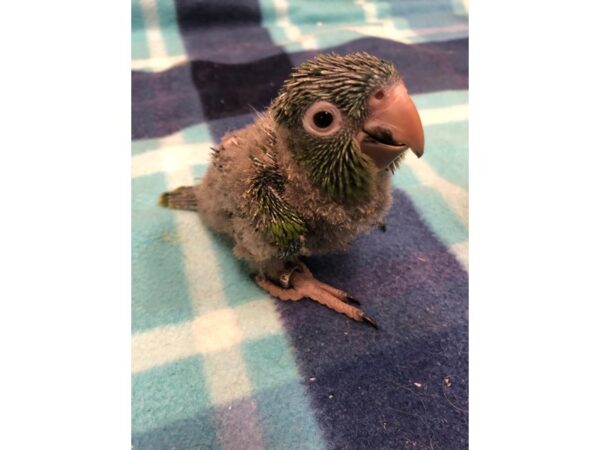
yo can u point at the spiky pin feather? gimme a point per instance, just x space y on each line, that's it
310 174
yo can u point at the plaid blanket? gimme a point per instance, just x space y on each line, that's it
217 363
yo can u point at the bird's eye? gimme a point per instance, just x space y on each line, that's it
322 119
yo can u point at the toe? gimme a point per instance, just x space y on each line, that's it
276 291
350 299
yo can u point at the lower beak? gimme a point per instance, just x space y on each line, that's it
393 126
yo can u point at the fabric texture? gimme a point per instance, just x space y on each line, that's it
217 363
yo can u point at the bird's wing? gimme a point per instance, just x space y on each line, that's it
271 214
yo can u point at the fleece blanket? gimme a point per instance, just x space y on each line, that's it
217 363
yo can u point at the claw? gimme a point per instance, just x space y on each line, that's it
304 285
369 320
383 227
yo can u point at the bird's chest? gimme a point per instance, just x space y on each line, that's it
332 227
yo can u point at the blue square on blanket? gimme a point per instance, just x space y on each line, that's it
269 361
159 285
168 394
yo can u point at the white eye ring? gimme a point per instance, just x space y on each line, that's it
322 119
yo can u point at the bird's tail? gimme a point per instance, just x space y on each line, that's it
181 198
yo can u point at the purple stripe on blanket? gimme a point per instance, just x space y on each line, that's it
238 427
168 101
427 67
405 385
219 127
163 103
228 90
224 31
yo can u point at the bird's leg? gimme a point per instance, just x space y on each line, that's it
301 283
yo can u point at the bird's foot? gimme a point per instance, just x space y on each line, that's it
300 283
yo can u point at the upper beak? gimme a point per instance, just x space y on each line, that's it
393 125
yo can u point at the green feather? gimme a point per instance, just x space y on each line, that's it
272 214
346 81
334 164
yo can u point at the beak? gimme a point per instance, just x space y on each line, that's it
393 126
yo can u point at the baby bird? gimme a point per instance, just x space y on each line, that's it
310 174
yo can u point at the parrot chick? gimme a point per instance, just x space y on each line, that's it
310 174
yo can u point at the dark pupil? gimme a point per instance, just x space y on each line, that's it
323 119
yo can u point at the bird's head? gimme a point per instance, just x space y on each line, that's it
346 118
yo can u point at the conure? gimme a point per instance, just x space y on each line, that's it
310 174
